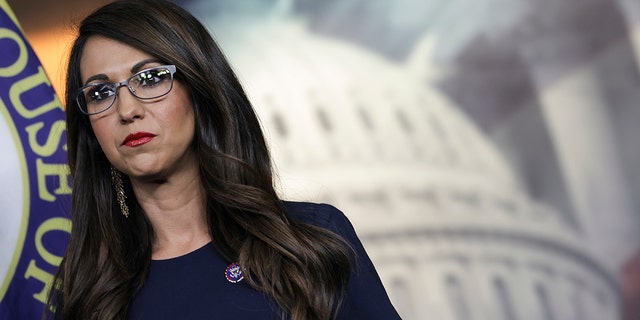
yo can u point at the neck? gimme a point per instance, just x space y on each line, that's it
176 209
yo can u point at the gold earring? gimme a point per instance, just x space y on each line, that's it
116 179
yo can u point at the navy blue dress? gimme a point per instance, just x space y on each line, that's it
194 286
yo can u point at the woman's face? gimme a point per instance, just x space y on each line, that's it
145 139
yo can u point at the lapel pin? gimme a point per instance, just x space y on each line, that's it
234 273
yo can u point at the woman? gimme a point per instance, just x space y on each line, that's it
174 211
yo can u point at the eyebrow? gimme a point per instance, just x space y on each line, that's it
136 67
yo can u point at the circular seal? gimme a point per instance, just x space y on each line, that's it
234 273
14 198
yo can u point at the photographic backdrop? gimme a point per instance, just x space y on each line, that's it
485 151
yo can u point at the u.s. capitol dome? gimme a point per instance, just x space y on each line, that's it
443 217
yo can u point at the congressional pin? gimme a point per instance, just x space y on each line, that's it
234 273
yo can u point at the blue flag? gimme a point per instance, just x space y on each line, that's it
34 178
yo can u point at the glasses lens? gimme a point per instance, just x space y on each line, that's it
97 97
147 84
152 83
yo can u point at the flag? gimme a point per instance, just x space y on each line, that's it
34 178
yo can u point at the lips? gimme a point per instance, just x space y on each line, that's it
137 139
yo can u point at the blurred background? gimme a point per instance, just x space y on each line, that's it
487 152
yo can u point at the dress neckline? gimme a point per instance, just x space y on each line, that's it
183 256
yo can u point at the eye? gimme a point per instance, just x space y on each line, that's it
99 92
150 78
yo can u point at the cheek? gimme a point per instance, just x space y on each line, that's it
186 125
103 134
181 116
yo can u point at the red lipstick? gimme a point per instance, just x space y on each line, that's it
137 139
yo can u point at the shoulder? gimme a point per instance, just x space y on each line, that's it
365 297
319 214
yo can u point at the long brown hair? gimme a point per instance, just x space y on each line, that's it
302 267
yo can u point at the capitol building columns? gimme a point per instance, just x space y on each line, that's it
566 70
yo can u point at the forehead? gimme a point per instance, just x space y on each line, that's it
106 56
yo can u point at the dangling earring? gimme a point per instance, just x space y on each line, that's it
116 179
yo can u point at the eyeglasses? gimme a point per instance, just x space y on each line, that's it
150 83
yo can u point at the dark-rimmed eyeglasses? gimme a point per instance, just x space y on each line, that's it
147 84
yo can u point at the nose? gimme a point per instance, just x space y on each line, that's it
128 106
